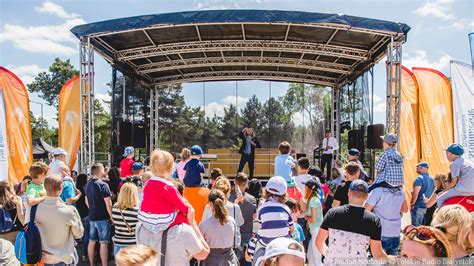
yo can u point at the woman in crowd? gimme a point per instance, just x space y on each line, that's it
314 216
424 242
440 186
223 184
83 210
124 216
284 252
219 232
185 157
10 205
455 221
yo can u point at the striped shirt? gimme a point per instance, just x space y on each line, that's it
275 218
124 226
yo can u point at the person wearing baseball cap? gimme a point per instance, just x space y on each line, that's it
127 162
283 251
422 186
389 167
194 168
353 156
58 161
462 173
274 216
351 225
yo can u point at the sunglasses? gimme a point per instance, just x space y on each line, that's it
425 234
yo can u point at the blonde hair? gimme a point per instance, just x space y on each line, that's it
145 177
136 255
217 198
161 163
441 181
185 154
223 184
438 242
456 221
127 197
53 184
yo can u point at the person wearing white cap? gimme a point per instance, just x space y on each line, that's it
274 217
283 252
59 155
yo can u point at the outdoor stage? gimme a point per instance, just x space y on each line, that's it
154 51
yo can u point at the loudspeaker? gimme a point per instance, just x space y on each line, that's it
356 139
374 132
139 136
132 135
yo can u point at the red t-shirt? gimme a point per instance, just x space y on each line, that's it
295 193
465 201
126 167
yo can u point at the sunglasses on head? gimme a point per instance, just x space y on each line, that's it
424 234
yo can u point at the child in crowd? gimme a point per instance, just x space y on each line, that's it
274 217
35 191
162 206
22 192
314 217
284 162
216 173
143 177
389 167
194 168
298 233
185 157
136 255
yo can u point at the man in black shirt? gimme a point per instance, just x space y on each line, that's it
351 173
351 229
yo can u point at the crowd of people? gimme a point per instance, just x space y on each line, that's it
165 214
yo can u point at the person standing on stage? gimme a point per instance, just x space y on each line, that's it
329 146
247 149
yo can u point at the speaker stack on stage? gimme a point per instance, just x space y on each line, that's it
374 132
132 134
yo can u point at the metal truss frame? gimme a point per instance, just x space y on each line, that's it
154 118
394 70
336 114
243 45
87 151
239 61
246 75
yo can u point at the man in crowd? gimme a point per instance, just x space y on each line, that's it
423 186
58 224
59 157
388 204
389 168
329 147
353 156
351 226
352 172
247 149
100 213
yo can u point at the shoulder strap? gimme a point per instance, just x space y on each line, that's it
164 239
33 213
125 221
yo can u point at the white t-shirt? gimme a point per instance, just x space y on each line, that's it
55 166
234 212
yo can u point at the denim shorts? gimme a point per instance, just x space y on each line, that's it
99 231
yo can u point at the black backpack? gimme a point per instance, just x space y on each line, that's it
6 222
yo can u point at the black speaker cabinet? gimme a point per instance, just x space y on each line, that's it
374 132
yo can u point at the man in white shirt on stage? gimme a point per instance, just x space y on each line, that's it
329 146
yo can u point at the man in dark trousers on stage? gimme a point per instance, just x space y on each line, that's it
329 146
247 149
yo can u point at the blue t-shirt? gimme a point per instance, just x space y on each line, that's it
283 163
96 191
193 169
298 234
426 182
68 190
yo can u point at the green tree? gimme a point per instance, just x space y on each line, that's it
48 84
41 129
231 125
277 127
252 114
103 128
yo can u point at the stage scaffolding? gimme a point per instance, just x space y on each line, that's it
164 49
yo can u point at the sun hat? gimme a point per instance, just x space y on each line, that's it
283 246
128 150
59 151
277 185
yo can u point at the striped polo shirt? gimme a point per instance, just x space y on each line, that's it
275 219
124 235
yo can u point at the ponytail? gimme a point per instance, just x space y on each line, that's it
24 185
217 199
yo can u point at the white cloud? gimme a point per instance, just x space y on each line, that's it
104 99
26 73
47 39
379 104
231 100
215 109
419 58
436 8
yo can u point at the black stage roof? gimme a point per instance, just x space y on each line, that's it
316 48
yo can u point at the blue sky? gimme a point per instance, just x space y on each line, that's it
33 33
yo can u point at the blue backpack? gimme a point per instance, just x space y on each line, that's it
28 249
6 222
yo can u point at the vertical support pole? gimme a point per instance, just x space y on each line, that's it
394 70
335 115
87 151
154 126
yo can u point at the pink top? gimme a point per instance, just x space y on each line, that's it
162 206
181 171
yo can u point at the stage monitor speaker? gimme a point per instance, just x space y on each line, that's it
356 139
374 132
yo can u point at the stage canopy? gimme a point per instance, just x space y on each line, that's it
315 48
